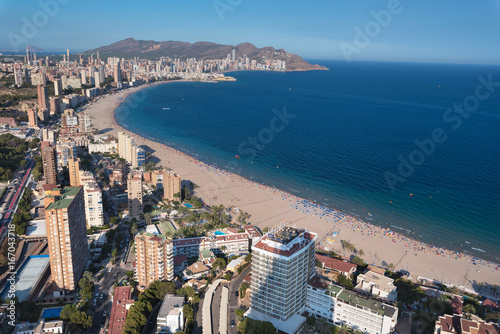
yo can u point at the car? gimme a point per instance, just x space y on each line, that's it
96 295
95 302
109 270
102 296
104 314
232 323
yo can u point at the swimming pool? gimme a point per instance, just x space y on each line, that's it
187 205
219 233
51 312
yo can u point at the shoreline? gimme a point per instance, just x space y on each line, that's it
217 186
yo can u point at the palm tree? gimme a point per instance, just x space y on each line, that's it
361 252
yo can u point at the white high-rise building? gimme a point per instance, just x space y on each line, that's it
282 263
94 212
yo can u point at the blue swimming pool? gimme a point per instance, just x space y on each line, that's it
51 312
187 205
219 233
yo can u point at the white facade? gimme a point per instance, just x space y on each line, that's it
94 212
103 148
321 298
171 316
367 315
377 285
282 263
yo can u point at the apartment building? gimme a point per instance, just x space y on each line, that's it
365 314
231 244
67 235
134 189
154 258
74 172
49 161
321 297
94 212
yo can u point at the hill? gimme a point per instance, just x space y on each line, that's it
130 48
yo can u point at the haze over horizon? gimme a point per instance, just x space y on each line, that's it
415 31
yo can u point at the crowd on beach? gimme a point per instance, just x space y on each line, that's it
338 219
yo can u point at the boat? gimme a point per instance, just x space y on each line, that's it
166 108
334 234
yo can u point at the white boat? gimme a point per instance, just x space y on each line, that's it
166 108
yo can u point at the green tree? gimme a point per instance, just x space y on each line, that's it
345 282
469 309
408 292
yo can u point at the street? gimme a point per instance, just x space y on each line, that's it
234 288
103 283
13 194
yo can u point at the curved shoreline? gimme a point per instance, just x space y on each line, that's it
378 243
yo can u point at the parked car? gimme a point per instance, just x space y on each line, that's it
232 323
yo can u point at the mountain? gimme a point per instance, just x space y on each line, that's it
129 48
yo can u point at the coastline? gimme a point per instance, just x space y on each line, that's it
268 206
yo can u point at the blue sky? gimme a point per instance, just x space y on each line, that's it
457 31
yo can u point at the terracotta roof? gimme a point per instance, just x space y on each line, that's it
318 283
335 264
119 309
187 242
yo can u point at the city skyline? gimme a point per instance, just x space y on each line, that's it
450 32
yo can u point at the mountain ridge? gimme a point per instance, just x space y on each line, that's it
150 49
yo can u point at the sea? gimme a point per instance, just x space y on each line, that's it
413 147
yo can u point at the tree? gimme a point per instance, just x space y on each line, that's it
357 260
469 309
67 311
311 321
408 292
347 245
345 282
228 276
219 263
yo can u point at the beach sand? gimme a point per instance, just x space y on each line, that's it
269 206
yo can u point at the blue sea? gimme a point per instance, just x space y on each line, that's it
413 147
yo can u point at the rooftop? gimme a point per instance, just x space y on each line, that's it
28 275
372 278
119 309
335 264
65 199
170 303
324 284
292 246
366 303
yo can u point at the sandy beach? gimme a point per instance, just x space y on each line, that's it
268 206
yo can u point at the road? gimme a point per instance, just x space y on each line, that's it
216 309
234 288
13 195
103 283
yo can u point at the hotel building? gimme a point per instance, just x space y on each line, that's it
283 261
